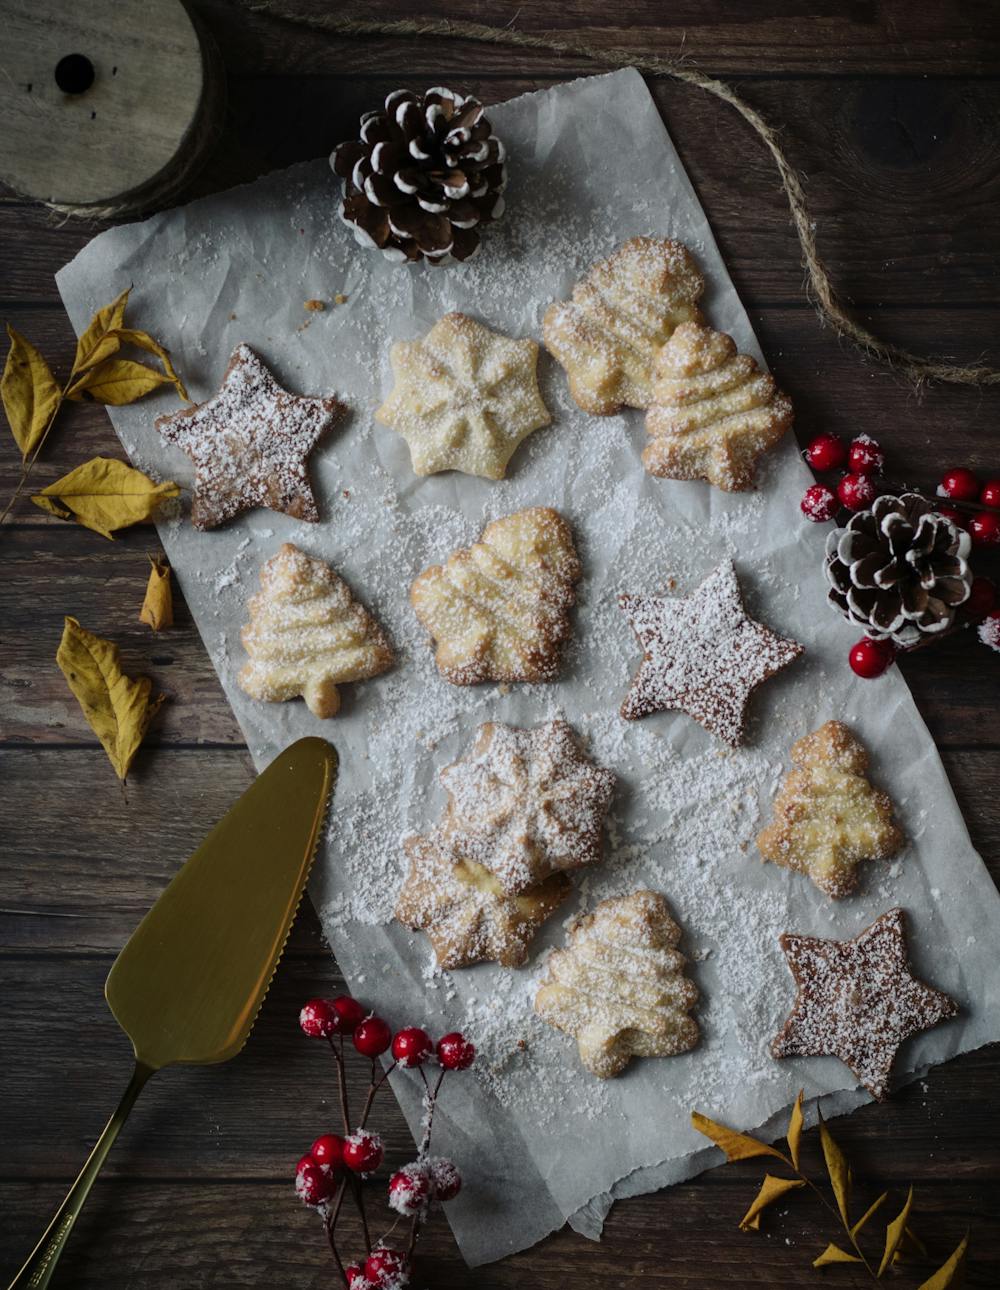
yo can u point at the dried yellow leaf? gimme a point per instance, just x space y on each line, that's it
143 340
99 340
118 381
771 1189
737 1146
834 1254
795 1130
872 1209
158 605
894 1232
104 494
118 709
29 392
909 1247
952 1272
838 1169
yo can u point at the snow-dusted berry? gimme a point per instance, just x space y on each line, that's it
454 1051
328 1152
856 492
313 1185
318 1019
960 484
819 503
372 1037
445 1178
363 1151
412 1046
989 631
349 1012
387 1269
826 452
865 457
410 1189
355 1275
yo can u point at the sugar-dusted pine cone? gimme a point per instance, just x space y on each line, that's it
899 570
426 172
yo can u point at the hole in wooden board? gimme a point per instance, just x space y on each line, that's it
75 74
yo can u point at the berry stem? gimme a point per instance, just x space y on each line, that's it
338 1057
329 1222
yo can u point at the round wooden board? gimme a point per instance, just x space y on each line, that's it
94 146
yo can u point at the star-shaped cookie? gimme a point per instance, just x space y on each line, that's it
857 1000
249 444
702 655
464 397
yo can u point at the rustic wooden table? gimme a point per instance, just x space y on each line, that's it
892 110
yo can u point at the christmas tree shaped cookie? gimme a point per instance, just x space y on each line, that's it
623 311
499 610
619 986
827 816
307 635
714 411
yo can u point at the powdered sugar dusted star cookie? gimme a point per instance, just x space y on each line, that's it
619 986
857 1000
527 803
249 444
623 311
464 397
464 910
714 412
827 816
702 655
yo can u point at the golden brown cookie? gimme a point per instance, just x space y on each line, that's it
307 635
464 397
465 912
827 816
619 986
499 610
623 311
249 444
526 804
714 412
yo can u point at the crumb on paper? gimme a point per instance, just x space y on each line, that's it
340 298
314 306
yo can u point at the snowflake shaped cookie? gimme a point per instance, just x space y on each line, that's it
464 397
526 804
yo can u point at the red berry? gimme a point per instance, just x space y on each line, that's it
865 456
412 1046
960 484
387 1268
352 1272
826 452
982 599
350 1013
455 1053
989 631
318 1019
312 1185
984 529
957 518
410 1189
328 1152
446 1179
871 658
819 503
990 496
372 1037
856 492
362 1151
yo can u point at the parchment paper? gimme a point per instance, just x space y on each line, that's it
538 1139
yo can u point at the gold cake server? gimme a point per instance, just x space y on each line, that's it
189 983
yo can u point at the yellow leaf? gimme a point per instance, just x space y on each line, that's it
834 1254
910 1246
98 341
118 709
737 1146
143 340
118 381
872 1209
158 606
894 1232
952 1272
838 1169
771 1189
104 494
29 392
795 1130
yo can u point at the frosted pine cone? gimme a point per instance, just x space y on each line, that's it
899 570
426 172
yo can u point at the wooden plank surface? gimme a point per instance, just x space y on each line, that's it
892 111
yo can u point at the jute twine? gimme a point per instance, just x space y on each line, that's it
918 368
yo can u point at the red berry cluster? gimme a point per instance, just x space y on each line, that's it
334 1164
856 488
961 485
